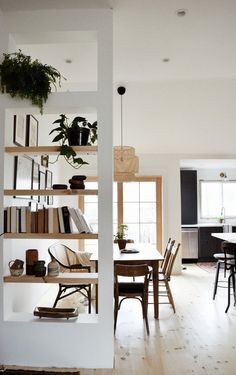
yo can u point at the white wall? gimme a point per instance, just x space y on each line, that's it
179 117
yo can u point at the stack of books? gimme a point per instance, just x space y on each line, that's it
46 220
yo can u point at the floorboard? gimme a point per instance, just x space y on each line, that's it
198 339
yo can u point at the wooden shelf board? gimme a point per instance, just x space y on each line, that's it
69 236
40 150
69 278
12 192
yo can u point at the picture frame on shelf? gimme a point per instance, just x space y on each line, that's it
44 160
31 131
42 185
35 179
19 130
23 174
49 176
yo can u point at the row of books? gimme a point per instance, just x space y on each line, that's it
47 220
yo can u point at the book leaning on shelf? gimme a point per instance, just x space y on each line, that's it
79 221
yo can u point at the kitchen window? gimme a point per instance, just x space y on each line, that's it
217 199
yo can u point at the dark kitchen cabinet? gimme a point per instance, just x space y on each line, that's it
208 245
188 181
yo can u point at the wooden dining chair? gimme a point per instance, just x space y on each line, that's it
68 262
131 289
165 277
166 255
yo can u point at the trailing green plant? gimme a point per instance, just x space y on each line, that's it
22 77
70 156
63 131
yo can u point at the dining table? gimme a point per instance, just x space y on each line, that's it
136 254
228 236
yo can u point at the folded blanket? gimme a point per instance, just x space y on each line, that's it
83 257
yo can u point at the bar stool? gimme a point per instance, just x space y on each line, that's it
225 260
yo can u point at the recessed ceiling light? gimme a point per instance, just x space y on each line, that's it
68 61
181 12
166 59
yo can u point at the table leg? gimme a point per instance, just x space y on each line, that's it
96 289
155 267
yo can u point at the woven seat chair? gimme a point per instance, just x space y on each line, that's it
68 263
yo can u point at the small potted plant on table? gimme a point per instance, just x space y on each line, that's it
121 236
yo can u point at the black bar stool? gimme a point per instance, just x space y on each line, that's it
225 260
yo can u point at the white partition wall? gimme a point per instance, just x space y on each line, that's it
88 342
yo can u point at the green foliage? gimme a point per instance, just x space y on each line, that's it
22 77
62 137
121 232
77 122
70 156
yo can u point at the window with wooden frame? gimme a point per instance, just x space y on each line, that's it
137 203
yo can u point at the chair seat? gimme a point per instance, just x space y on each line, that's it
221 256
132 288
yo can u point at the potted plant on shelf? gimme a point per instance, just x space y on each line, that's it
24 78
78 132
121 236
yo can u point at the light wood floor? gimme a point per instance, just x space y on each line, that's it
199 339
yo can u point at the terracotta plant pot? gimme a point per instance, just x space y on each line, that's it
122 244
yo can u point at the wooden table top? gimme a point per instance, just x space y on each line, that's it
146 252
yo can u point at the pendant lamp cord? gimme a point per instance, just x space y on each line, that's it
121 127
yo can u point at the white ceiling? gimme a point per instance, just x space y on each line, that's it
200 45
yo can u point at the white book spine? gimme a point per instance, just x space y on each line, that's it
61 221
74 218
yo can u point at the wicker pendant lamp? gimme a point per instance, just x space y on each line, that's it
126 163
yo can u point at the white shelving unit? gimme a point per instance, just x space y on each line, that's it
83 337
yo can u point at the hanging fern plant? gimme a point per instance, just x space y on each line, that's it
22 77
